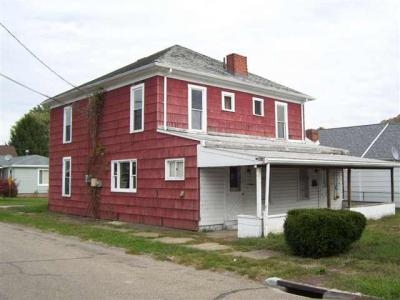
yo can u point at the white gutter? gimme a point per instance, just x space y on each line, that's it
373 142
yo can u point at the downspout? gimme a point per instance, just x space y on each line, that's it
165 98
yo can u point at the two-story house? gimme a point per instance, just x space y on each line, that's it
187 141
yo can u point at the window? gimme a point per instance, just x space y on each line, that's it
234 179
175 169
137 108
66 177
67 125
304 185
197 108
258 107
43 177
228 101
281 120
124 175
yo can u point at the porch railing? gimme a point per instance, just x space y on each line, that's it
377 197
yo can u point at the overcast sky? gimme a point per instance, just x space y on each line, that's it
344 53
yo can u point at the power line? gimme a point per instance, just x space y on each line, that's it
25 86
35 56
41 61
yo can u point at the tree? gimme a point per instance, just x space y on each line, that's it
31 132
394 120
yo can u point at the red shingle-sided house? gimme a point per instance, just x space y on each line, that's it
186 141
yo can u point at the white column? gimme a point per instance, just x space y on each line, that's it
258 192
266 200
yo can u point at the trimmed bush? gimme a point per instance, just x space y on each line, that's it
7 189
322 232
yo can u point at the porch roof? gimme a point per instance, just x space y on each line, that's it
218 150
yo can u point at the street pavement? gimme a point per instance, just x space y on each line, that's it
37 265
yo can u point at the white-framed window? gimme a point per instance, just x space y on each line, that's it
43 177
228 101
258 107
281 120
197 107
137 108
124 175
66 177
67 125
304 184
175 169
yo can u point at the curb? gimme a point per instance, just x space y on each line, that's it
311 291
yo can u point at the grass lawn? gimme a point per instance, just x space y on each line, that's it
372 266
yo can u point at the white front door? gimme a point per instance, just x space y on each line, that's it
234 194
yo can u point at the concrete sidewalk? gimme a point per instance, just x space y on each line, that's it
36 265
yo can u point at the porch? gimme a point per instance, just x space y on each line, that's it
251 188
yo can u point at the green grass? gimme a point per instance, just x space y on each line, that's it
372 266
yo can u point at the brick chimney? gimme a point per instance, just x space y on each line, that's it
312 134
236 64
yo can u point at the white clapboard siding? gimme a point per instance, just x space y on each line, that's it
285 192
212 195
373 185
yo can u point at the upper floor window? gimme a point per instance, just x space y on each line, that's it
281 120
197 107
258 107
66 177
228 101
175 169
137 108
67 125
123 175
43 177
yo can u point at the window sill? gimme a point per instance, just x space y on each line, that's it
123 190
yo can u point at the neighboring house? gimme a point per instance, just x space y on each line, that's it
377 141
187 141
7 150
30 172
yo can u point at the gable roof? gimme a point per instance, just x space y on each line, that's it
181 58
375 140
24 161
7 150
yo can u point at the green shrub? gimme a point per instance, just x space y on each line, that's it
322 232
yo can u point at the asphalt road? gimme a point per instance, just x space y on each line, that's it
36 265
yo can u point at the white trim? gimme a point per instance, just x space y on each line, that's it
258 192
27 166
204 107
167 168
302 121
132 107
131 179
373 142
165 96
228 94
38 177
64 160
262 106
65 110
286 120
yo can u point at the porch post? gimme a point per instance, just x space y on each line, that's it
349 187
392 185
258 192
328 189
266 200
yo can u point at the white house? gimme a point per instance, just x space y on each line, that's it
376 141
31 173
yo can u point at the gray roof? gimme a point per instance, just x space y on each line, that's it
21 161
184 58
357 139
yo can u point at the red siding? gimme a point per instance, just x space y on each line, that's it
242 121
156 202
